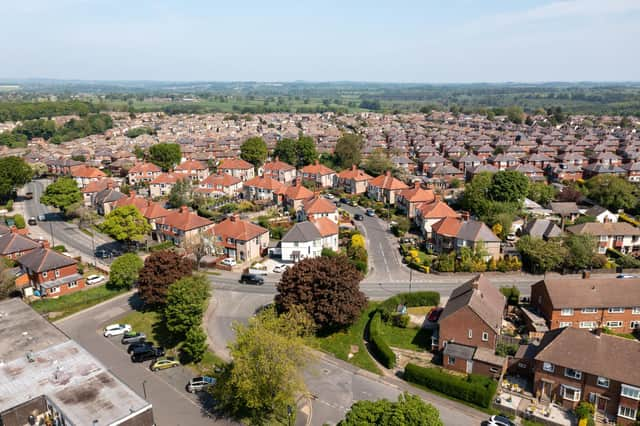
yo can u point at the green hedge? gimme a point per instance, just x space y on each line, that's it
162 246
379 346
418 298
478 390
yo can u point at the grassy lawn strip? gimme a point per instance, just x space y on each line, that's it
339 343
66 305
413 339
419 310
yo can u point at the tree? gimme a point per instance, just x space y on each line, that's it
63 194
542 193
508 186
126 223
540 256
7 281
160 270
377 163
269 355
401 227
299 152
581 250
195 345
286 150
569 193
348 150
612 192
186 302
180 194
306 150
125 270
254 150
14 172
327 288
515 114
409 410
165 155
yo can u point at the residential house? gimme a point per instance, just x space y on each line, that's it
105 200
50 273
443 234
219 185
475 234
182 227
294 196
94 187
279 170
385 188
154 212
322 175
408 200
14 245
621 236
566 210
541 228
352 181
428 214
307 239
194 169
602 214
262 189
469 328
143 172
318 207
240 239
574 365
588 303
162 185
84 175
237 168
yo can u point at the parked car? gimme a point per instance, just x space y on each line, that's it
278 269
116 329
28 195
200 383
146 354
139 346
353 203
102 254
329 196
434 314
229 262
344 200
511 237
358 216
131 337
370 212
500 421
251 279
164 363
407 240
95 279
625 276
32 221
42 217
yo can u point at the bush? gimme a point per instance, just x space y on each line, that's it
478 390
598 261
59 248
9 205
504 349
584 410
19 221
401 320
162 246
379 346
419 298
360 265
327 252
512 294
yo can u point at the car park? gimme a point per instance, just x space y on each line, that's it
358 216
164 363
139 346
133 337
229 262
95 279
278 269
370 212
251 279
200 383
434 314
500 421
146 353
116 329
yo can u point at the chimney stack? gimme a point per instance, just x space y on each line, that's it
233 218
353 167
184 209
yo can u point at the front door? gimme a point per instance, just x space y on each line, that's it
601 405
546 390
469 366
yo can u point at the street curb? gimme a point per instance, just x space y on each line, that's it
118 297
211 307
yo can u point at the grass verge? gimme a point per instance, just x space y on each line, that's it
64 306
413 339
490 411
339 344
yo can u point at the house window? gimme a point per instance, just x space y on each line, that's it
614 324
602 250
630 392
522 365
636 310
566 312
616 310
564 324
54 290
634 324
604 238
452 360
589 310
588 324
627 412
485 336
44 274
57 273
548 367
470 334
603 382
493 369
574 374
570 393
72 284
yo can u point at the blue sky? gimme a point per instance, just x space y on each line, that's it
326 40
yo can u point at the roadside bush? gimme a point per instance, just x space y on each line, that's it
9 205
161 246
19 221
478 390
360 265
59 248
379 346
598 261
401 320
446 262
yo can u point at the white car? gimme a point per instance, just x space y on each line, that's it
278 269
329 196
116 329
95 279
229 262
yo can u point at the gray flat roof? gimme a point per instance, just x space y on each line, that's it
60 369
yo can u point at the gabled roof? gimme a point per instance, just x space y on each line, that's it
144 168
44 259
83 171
597 228
132 200
388 182
473 230
354 174
222 179
235 163
98 185
108 195
418 195
541 228
481 297
184 220
593 292
13 243
264 182
238 229
439 209
302 232
564 208
276 165
317 169
154 210
447 227
190 165
319 205
166 178
297 192
326 226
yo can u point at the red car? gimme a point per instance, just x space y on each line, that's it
435 314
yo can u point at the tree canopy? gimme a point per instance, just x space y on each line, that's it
254 151
126 223
327 288
581 250
408 410
125 270
63 194
495 197
160 270
297 152
180 194
186 302
542 193
348 150
612 192
165 155
540 256
14 172
377 163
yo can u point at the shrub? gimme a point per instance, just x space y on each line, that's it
512 294
10 205
584 410
419 298
59 248
401 320
357 241
478 390
379 346
598 261
161 246
19 221
504 349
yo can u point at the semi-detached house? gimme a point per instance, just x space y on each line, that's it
50 273
620 236
241 240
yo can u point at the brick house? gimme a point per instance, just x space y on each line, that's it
621 236
385 188
408 200
322 175
50 273
143 172
237 168
352 181
294 196
162 185
262 189
279 170
84 175
14 246
94 187
588 303
574 365
219 185
428 214
182 227
240 239
194 169
469 327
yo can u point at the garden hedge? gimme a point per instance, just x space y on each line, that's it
379 346
478 390
418 298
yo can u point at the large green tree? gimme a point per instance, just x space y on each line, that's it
180 194
124 270
348 150
328 288
539 256
581 250
63 194
160 270
254 150
126 223
165 155
508 186
186 302
195 345
612 192
377 163
408 410
14 172
542 193
515 114
297 152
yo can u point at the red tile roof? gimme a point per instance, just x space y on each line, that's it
438 209
386 181
448 227
144 168
297 192
223 179
277 165
418 195
167 178
354 174
190 165
264 182
184 220
238 229
98 185
317 169
83 171
132 200
326 226
319 205
235 163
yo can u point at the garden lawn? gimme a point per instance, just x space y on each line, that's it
64 306
413 339
339 343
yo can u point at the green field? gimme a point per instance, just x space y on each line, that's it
66 305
